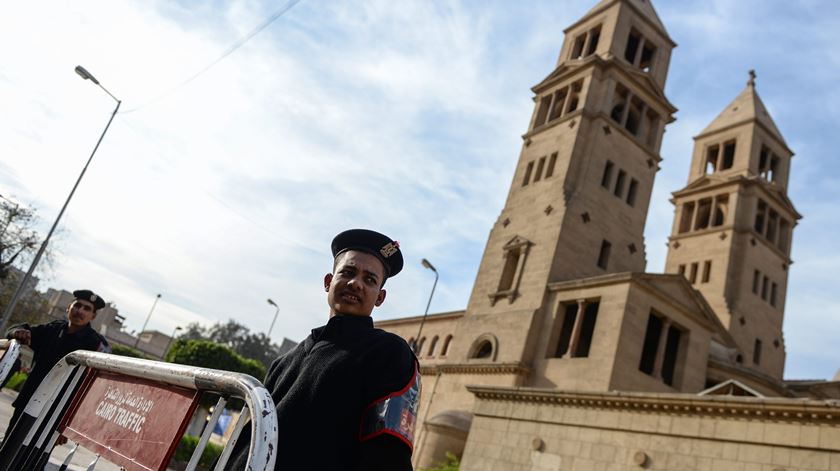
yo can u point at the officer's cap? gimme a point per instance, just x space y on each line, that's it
91 297
379 245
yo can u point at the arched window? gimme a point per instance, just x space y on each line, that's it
485 347
419 351
411 343
445 348
432 346
484 350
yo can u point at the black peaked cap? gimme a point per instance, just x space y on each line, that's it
91 297
372 242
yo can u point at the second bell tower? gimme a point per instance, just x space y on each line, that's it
733 228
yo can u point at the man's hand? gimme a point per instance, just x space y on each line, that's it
23 336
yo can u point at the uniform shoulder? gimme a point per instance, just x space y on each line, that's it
392 341
103 345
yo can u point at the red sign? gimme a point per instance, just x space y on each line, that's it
129 421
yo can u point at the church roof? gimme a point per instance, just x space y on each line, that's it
746 107
731 387
644 7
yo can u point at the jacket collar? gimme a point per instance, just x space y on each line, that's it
341 324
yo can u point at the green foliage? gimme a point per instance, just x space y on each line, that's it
236 336
122 350
16 381
452 463
209 354
186 447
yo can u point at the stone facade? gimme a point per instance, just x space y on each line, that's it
562 313
539 430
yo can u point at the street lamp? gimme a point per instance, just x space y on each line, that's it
428 265
171 338
21 286
136 342
276 311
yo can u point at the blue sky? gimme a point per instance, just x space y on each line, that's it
401 116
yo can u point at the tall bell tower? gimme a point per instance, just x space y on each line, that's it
733 227
579 198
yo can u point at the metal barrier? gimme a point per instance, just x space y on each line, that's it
11 352
133 412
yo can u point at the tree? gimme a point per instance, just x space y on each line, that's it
208 354
18 238
452 463
194 331
18 243
237 337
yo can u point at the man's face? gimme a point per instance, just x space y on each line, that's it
80 313
354 287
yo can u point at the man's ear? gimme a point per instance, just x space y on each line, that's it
327 281
94 315
380 298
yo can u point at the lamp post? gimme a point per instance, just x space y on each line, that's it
428 265
170 341
136 342
276 311
21 286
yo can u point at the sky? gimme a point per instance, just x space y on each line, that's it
222 189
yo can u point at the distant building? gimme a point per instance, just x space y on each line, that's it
286 346
154 343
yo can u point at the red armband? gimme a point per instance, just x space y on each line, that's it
394 414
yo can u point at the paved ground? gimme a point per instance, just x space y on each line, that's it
81 460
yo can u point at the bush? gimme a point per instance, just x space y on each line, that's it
186 447
16 381
209 354
452 463
122 350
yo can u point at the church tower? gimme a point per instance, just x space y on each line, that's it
733 227
580 194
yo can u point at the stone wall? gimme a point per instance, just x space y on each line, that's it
535 430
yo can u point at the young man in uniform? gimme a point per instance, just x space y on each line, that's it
347 395
51 341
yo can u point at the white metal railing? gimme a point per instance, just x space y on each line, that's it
66 389
11 351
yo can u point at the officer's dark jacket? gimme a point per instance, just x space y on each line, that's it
50 342
324 390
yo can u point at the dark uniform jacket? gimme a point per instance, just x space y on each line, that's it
346 400
50 342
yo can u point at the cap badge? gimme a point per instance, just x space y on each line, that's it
93 298
389 249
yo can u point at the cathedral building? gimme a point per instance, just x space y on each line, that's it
569 355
